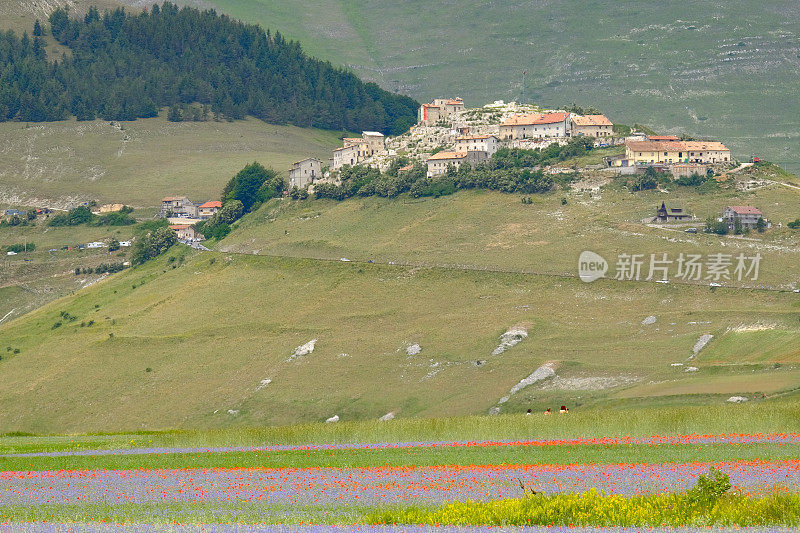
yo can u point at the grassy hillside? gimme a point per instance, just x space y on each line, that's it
138 163
497 231
31 279
187 340
721 70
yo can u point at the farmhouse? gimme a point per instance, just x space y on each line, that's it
747 215
673 151
591 126
186 232
208 209
650 152
707 152
439 109
438 163
178 206
477 143
304 172
673 214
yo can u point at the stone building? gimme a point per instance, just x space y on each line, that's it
305 172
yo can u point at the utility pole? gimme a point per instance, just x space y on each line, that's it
523 86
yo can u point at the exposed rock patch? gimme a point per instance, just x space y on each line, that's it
413 349
700 344
511 338
304 349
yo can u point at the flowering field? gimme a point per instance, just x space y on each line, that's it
375 486
347 483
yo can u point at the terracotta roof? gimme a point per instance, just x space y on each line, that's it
447 155
644 146
457 101
173 198
662 138
407 167
656 146
705 145
474 137
592 120
744 210
179 226
212 203
552 118
522 120
430 105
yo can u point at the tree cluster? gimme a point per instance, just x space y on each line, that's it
83 215
507 171
244 192
124 66
152 244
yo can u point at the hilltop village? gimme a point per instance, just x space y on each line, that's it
448 135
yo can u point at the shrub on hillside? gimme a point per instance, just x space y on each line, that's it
153 244
254 183
218 226
73 217
716 227
19 248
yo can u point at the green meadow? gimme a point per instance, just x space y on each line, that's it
137 163
187 340
494 231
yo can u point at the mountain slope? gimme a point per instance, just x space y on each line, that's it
190 339
728 70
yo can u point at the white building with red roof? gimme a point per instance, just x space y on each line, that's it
747 215
186 232
208 209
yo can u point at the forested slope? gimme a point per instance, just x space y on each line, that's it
124 66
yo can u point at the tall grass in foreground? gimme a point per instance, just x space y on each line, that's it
707 504
595 509
768 417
